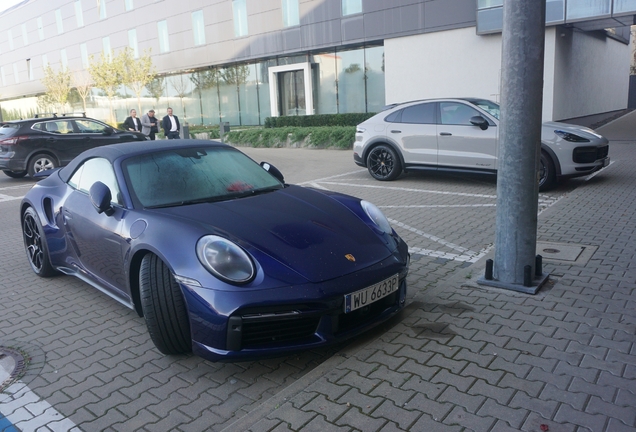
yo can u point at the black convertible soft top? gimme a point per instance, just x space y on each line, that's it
115 151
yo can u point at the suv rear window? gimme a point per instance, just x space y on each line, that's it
8 129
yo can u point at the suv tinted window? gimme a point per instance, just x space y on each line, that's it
8 129
89 126
54 126
422 113
455 113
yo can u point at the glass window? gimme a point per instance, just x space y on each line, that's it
419 114
291 16
374 72
30 69
92 171
10 39
248 97
106 48
63 59
45 61
239 9
59 22
16 77
198 28
262 74
554 11
588 8
78 13
102 9
205 174
455 113
40 28
132 42
228 96
162 29
129 5
206 84
483 4
350 81
324 78
90 126
350 7
84 53
621 6
25 34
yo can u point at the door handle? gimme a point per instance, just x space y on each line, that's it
445 134
396 131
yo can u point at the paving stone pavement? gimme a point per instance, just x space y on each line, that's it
466 357
460 357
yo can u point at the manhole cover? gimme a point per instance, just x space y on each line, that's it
13 365
566 252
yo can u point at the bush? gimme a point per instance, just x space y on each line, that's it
350 119
341 137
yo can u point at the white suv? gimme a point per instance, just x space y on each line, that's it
463 135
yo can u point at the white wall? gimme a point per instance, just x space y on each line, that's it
592 74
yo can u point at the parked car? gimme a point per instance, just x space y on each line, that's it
37 144
215 251
463 135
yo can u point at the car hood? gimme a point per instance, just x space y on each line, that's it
306 230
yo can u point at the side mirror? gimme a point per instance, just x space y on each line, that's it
108 131
273 171
100 198
479 121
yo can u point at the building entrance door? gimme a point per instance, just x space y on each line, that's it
291 93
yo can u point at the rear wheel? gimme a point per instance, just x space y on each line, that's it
164 307
383 163
15 174
41 162
35 244
547 173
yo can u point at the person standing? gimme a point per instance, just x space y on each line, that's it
149 124
132 123
170 125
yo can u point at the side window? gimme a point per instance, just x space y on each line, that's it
455 113
89 126
394 117
94 170
419 114
56 127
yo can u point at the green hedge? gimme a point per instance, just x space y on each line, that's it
341 137
351 119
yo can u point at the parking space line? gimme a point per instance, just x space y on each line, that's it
9 197
430 236
411 190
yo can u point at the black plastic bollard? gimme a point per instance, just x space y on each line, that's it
527 276
538 266
489 264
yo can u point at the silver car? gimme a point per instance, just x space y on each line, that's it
463 135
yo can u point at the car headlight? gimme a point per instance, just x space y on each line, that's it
377 216
225 260
568 136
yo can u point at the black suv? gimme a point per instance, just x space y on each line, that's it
41 143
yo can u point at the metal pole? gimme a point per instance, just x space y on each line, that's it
520 139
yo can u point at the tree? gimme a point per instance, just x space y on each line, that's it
155 88
58 86
235 74
107 75
83 84
137 73
181 87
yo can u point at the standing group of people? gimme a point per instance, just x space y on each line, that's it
149 124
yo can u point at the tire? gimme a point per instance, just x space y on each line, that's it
547 173
41 162
163 307
35 244
15 174
383 163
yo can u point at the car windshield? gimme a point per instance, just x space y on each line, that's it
193 175
490 107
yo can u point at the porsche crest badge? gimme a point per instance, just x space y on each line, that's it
350 257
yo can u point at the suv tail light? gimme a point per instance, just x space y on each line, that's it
13 140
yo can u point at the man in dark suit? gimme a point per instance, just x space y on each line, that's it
170 125
132 123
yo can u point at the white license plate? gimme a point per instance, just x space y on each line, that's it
371 294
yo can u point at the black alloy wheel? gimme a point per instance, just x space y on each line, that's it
383 163
35 244
547 173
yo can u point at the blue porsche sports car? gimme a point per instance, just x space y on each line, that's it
215 251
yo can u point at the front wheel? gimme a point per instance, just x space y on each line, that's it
547 173
15 174
164 307
35 244
41 162
383 163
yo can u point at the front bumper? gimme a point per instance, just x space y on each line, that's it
279 321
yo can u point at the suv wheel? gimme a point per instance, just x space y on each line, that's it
15 174
383 163
547 173
41 162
